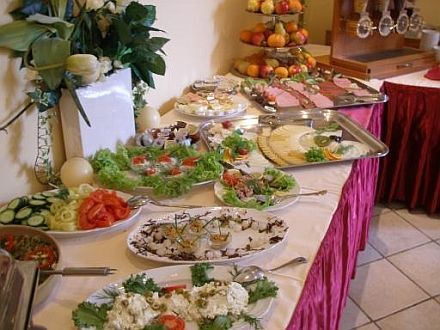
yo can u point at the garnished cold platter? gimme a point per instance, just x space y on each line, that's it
71 212
217 234
194 297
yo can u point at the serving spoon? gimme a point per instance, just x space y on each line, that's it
138 201
250 274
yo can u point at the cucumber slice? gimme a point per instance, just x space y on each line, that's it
23 213
38 196
43 227
37 203
45 213
48 194
7 216
54 200
36 220
17 203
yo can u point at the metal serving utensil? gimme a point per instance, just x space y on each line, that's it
138 201
279 198
79 271
250 274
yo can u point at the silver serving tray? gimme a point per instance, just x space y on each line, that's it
312 118
341 101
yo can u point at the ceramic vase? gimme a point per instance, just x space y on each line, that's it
147 118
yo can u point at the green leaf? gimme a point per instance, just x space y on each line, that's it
72 89
221 322
140 284
264 289
156 43
63 28
145 14
59 7
50 56
156 64
88 315
19 35
122 30
140 70
199 274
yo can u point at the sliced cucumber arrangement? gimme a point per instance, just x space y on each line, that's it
30 211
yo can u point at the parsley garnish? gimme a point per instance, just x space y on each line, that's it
264 289
315 155
199 274
221 322
139 284
90 315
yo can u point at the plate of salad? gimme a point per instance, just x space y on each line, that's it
179 297
262 189
71 212
167 172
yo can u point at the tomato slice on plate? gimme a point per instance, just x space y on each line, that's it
190 161
43 255
175 171
171 288
164 159
138 160
171 322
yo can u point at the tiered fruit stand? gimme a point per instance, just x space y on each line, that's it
280 41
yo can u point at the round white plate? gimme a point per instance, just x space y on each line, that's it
136 239
181 274
117 226
219 190
239 108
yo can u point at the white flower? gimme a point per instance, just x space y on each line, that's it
106 64
121 5
85 66
94 4
118 64
110 6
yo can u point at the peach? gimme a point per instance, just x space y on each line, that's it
257 38
291 27
282 72
253 70
276 40
246 36
259 27
265 70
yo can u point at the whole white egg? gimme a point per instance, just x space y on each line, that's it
76 171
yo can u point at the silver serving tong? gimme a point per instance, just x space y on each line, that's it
79 271
138 201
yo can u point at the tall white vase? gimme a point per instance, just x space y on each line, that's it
109 107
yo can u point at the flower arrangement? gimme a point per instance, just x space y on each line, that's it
72 43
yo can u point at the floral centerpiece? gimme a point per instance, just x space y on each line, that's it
72 43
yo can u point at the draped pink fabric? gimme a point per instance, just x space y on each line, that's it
325 291
411 128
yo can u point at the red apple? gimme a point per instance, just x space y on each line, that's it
267 33
257 38
298 38
294 69
282 7
265 70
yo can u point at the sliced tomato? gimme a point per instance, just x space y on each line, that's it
95 210
150 171
171 322
44 255
138 160
230 179
164 159
175 171
174 287
243 151
190 161
227 124
121 213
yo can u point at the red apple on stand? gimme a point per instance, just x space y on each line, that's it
265 70
294 69
282 7
257 38
267 33
298 38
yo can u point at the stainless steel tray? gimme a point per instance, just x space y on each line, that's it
341 101
313 118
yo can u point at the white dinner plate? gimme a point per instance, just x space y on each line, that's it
142 241
219 190
238 108
181 274
117 225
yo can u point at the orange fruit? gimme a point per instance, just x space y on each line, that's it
253 70
259 27
282 72
311 61
304 32
276 40
291 27
295 6
246 36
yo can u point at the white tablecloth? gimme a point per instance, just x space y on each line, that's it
308 220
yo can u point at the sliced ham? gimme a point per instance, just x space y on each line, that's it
344 83
283 99
320 101
329 89
350 86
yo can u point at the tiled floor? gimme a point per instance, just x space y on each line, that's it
397 284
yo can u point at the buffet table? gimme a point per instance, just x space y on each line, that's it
328 230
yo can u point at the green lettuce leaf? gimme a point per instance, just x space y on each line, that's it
90 315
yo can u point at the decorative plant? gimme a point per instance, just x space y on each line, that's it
71 43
